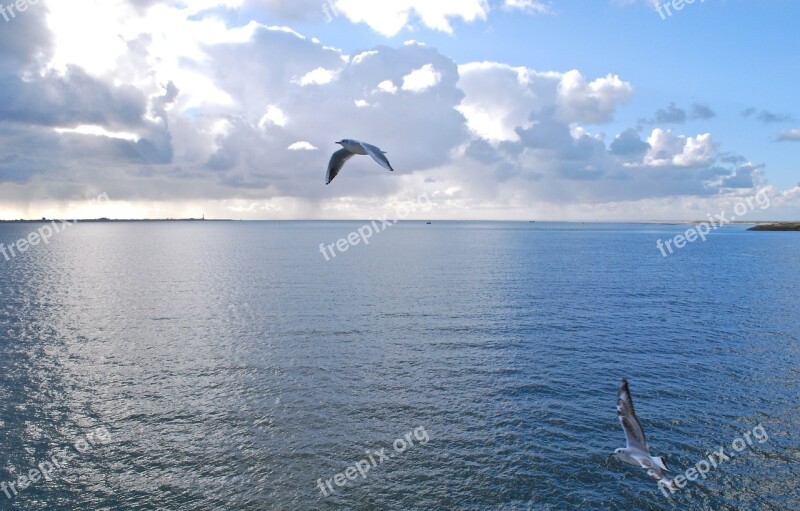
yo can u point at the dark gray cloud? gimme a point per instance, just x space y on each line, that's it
702 112
670 115
482 151
629 144
732 158
742 178
766 116
26 40
673 114
69 100
769 117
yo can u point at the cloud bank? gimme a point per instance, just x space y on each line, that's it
183 109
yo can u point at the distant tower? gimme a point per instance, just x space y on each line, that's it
204 216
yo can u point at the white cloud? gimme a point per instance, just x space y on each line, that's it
319 76
698 151
358 59
527 92
388 87
302 145
389 17
99 131
273 115
535 6
422 79
667 149
490 115
591 102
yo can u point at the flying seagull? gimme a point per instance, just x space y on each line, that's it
637 452
348 150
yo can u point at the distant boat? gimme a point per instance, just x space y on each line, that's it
429 222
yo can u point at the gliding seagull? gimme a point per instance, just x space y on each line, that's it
637 452
348 150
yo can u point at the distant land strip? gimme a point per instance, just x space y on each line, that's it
777 226
90 220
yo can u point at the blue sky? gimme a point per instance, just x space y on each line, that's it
507 109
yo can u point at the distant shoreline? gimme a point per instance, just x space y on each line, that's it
115 220
776 226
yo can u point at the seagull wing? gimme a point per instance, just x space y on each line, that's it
338 160
634 434
659 475
377 155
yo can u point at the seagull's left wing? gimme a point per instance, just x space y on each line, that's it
377 155
634 434
338 159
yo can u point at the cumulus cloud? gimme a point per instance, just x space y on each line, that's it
595 101
668 149
534 143
566 97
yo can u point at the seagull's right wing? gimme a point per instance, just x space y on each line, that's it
634 434
377 155
659 460
338 160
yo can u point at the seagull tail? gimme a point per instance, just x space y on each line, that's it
659 460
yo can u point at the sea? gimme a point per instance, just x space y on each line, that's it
443 366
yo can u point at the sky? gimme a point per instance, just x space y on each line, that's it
574 110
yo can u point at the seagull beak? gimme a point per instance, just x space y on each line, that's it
340 142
